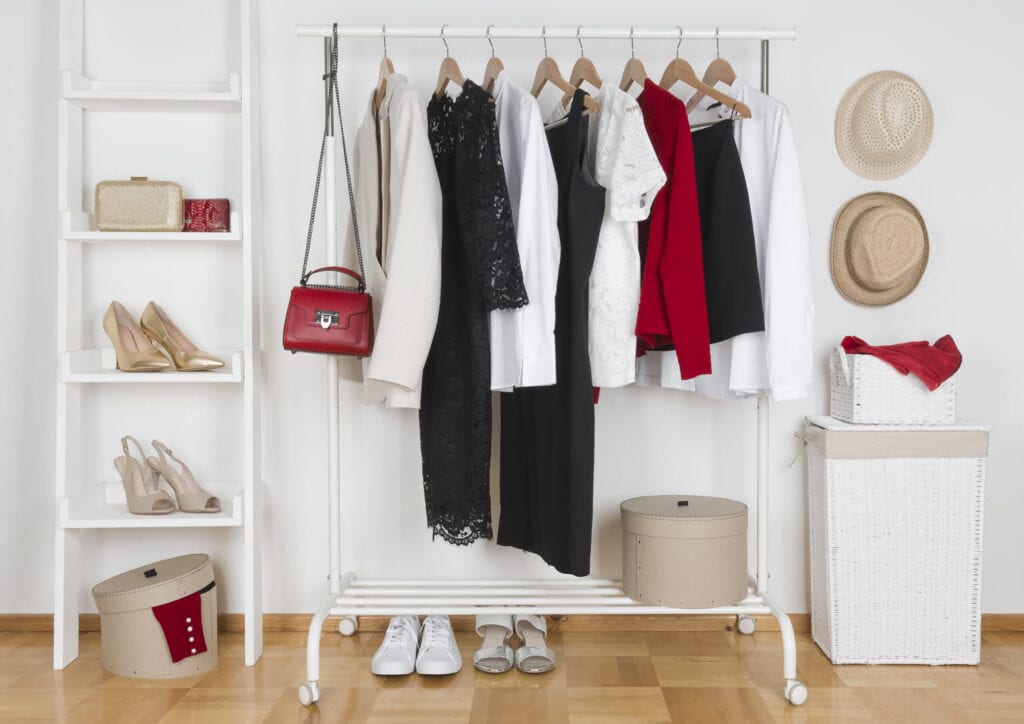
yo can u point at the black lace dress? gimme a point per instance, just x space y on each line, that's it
480 272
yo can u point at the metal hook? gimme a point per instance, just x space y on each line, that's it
632 44
579 39
544 36
680 40
718 50
489 39
384 36
445 41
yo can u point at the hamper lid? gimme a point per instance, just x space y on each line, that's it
154 584
684 516
846 441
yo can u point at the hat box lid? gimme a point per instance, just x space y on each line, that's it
684 516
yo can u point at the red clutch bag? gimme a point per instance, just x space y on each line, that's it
207 215
329 320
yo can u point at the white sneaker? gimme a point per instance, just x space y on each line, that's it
439 654
397 654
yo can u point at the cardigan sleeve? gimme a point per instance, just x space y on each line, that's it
408 314
682 264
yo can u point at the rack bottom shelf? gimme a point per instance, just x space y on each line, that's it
566 597
569 597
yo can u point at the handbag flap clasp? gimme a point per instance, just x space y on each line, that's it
325 319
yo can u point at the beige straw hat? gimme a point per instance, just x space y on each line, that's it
879 249
883 125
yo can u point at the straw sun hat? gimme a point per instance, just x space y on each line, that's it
879 249
884 125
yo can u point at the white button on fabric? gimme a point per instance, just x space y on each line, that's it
193 651
189 629
191 639
188 619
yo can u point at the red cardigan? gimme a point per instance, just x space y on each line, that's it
673 307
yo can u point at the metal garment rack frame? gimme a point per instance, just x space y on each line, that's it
351 597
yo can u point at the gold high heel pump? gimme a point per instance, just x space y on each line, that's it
140 489
185 355
134 351
191 496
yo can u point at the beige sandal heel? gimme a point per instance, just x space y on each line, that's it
140 490
191 496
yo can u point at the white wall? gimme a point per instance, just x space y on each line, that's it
967 187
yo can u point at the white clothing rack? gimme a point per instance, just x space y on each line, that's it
351 597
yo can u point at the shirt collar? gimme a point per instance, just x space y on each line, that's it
502 80
394 81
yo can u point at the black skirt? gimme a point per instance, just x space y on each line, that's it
731 280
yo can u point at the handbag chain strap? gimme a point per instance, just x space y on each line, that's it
333 96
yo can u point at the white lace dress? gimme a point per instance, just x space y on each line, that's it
624 162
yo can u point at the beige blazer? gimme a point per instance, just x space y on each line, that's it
398 206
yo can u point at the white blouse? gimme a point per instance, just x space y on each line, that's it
398 207
623 162
523 340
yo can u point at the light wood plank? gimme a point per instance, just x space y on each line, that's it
726 705
594 671
638 704
514 706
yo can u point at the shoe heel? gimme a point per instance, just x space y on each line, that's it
139 499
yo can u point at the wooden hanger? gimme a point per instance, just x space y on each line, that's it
679 70
386 69
449 70
634 72
494 66
582 70
718 69
547 72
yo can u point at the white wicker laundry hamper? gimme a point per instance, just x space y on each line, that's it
896 541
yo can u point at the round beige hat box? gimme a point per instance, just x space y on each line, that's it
684 551
140 611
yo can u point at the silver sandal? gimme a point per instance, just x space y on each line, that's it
534 656
494 655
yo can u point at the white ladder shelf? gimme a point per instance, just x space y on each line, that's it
85 371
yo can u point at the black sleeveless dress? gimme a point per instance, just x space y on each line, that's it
547 433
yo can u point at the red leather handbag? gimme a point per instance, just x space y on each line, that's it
329 320
324 318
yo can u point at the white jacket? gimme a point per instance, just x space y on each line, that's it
398 207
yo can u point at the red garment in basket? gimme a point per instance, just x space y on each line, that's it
933 364
182 622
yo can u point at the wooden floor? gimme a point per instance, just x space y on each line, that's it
609 676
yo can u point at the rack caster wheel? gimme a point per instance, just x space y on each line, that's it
309 693
348 625
746 625
795 693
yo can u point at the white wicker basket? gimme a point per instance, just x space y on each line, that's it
868 391
896 534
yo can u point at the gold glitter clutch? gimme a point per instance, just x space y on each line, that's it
139 205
